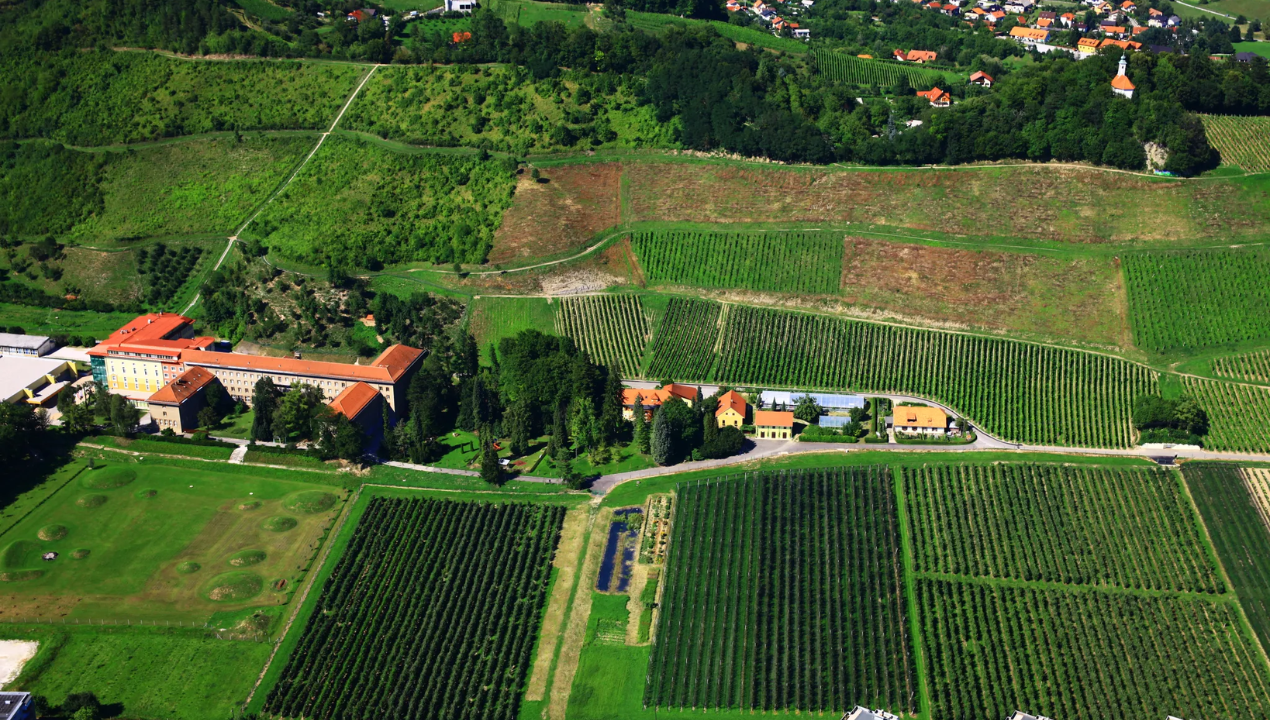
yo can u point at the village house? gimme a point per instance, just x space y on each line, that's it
1020 715
938 98
731 410
981 78
915 420
773 424
1030 36
1067 19
176 405
651 398
463 6
1086 47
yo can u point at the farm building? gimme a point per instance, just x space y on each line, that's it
650 398
772 398
920 420
731 411
177 404
773 424
33 345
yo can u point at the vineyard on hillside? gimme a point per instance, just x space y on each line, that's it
1242 141
1254 366
1072 525
1086 655
1238 415
492 319
432 612
807 263
1021 392
1225 497
1182 300
862 71
608 327
784 592
683 347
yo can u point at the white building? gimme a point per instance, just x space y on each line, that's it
32 380
863 713
1020 715
466 6
34 345
1120 84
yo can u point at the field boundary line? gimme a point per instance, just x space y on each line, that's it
924 708
545 662
321 139
575 628
304 594
1049 585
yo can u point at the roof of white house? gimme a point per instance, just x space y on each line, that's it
32 342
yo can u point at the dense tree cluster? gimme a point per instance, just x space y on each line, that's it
1169 420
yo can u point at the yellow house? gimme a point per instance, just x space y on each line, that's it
773 424
731 412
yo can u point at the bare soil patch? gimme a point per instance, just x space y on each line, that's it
563 213
1068 204
1073 298
566 561
13 655
579 615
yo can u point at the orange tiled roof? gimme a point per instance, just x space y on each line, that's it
685 392
774 418
648 397
397 359
388 367
979 74
920 417
183 387
354 399
731 400
1120 82
915 55
143 329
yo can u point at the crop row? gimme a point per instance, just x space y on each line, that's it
1238 415
1193 299
608 327
1254 366
1130 528
432 612
784 593
1019 391
1225 496
1242 141
684 344
1083 655
863 71
808 263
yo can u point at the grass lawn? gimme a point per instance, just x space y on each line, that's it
144 444
148 540
297 461
624 459
264 9
44 321
1260 48
493 319
159 673
237 426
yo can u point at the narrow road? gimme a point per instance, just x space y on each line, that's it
321 139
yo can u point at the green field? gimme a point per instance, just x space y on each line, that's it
265 9
1225 298
104 97
803 263
611 328
1017 391
1242 141
359 201
47 321
882 73
1238 415
493 319
154 673
148 541
755 36
1093 537
1252 366
1227 497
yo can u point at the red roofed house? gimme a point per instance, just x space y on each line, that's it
361 404
176 405
773 424
981 78
650 398
937 97
144 355
920 56
731 411
899 55
357 15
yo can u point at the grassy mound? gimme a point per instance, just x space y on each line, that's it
81 553
108 477
91 501
188 567
146 494
279 523
247 558
249 505
20 575
233 587
51 533
309 501
21 554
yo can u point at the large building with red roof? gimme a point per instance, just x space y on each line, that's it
144 355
